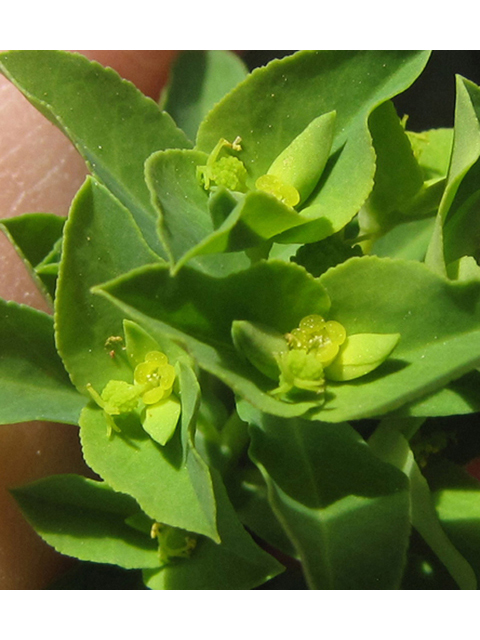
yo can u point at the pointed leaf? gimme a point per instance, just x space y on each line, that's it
398 176
131 462
347 515
112 124
34 235
85 519
198 80
236 563
101 241
465 157
439 343
391 446
265 112
34 384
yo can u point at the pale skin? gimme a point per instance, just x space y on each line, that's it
41 171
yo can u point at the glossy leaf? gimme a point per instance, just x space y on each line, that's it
456 497
34 235
236 563
432 149
189 224
160 420
390 445
101 241
455 203
265 112
398 176
406 241
112 124
198 80
181 200
439 342
460 397
86 519
131 462
33 382
346 514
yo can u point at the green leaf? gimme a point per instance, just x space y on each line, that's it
254 510
161 419
85 519
294 166
198 311
457 502
266 113
407 241
157 477
198 80
181 200
465 158
112 124
391 446
101 241
258 217
460 397
360 354
187 221
398 176
440 339
432 149
259 345
346 514
236 563
34 384
462 228
34 236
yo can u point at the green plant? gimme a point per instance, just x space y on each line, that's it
265 336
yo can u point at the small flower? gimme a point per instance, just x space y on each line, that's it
301 370
117 397
172 541
154 377
228 171
312 346
314 334
319 350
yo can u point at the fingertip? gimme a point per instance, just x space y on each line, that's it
148 69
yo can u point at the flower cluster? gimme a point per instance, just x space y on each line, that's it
227 171
312 347
172 541
152 385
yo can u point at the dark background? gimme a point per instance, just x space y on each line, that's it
430 102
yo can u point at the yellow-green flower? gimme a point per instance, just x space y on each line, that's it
318 336
301 370
154 377
117 397
227 171
320 350
172 542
